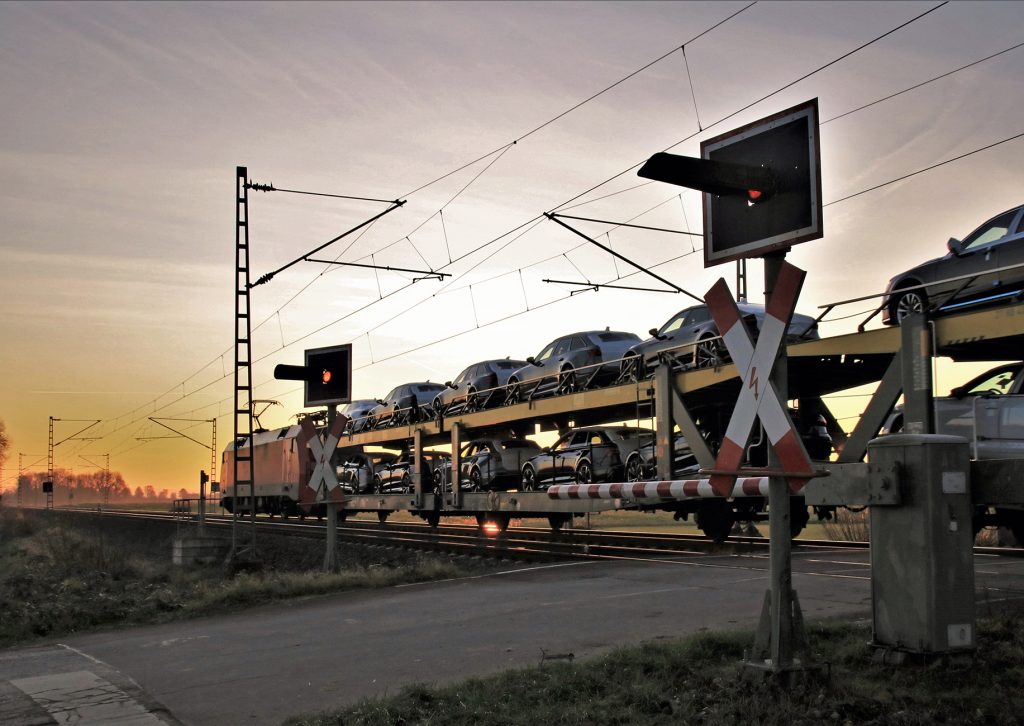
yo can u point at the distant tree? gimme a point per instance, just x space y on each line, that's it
138 493
5 442
182 493
150 492
164 494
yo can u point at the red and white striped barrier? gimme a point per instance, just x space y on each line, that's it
758 398
750 486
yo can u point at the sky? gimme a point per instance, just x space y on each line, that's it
122 125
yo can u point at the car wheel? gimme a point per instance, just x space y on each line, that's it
472 401
439 409
514 393
476 480
567 380
584 472
439 486
378 485
709 353
529 479
632 369
407 484
634 468
908 303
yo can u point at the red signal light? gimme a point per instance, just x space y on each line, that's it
754 194
326 376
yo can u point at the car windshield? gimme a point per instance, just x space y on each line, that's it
990 231
547 352
997 383
673 324
519 444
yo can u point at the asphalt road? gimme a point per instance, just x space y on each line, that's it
264 665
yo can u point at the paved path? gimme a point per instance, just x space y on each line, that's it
273 662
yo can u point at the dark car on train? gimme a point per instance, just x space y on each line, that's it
584 455
405 404
491 464
356 471
358 413
479 386
987 266
397 476
690 339
643 463
571 363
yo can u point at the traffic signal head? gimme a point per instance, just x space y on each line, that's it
763 220
761 184
203 477
327 375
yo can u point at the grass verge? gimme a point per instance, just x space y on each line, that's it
61 575
700 680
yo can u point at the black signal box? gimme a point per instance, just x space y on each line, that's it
47 487
761 184
327 375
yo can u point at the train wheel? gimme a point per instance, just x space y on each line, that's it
557 521
798 516
433 519
382 516
1014 520
715 519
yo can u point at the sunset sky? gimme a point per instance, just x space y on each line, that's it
122 125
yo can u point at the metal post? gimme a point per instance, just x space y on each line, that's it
417 460
663 415
780 636
243 428
331 553
49 467
202 505
456 499
916 348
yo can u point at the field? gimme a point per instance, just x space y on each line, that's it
701 680
63 573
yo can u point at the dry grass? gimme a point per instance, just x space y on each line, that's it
700 680
848 526
65 575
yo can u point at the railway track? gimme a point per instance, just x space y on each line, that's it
534 544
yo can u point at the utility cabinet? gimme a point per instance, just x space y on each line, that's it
922 567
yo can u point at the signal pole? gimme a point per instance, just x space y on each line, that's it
52 445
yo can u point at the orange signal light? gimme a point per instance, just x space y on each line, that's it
326 376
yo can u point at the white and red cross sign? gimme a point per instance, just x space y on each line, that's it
323 482
758 398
